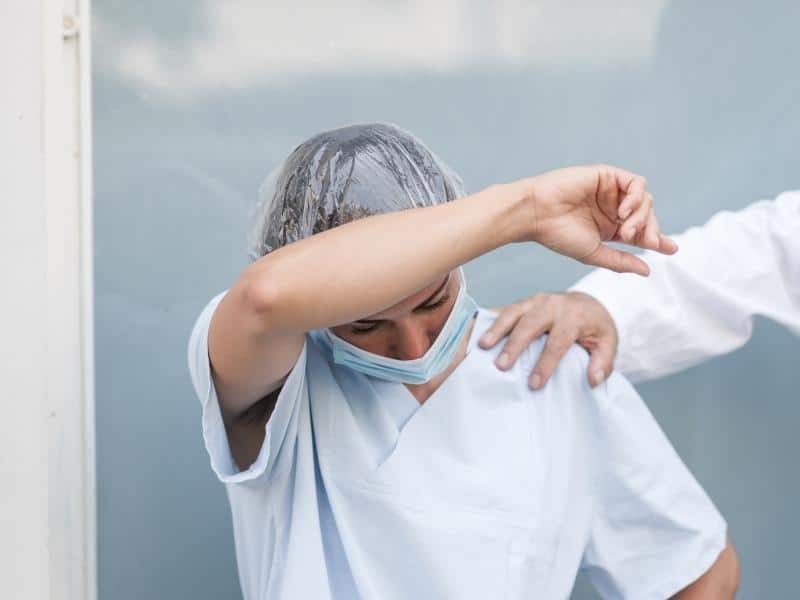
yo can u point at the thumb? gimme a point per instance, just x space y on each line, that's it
617 260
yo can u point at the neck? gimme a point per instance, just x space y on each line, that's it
423 391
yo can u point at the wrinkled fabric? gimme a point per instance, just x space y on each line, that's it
701 302
345 174
487 490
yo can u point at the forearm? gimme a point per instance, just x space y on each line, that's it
363 267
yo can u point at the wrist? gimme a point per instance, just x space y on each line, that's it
517 211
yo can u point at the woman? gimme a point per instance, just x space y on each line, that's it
367 447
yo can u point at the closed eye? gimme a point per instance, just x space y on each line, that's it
367 328
433 306
363 328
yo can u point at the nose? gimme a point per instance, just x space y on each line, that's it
412 341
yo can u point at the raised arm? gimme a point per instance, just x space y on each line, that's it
341 275
363 267
701 302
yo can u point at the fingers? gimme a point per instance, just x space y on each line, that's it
667 245
635 187
570 318
617 260
642 229
528 328
601 361
504 323
608 194
556 346
637 221
651 234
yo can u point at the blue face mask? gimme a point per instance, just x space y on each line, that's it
418 370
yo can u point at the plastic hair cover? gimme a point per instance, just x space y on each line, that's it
346 174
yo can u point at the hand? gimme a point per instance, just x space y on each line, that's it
578 208
569 318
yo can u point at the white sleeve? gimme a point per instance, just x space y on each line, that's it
700 302
654 530
280 428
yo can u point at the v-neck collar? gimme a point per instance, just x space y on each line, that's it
398 399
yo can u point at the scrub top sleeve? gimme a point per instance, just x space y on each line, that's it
281 425
700 303
653 531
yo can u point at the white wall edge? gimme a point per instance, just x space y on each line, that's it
87 298
48 508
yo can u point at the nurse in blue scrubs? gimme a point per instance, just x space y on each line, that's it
369 445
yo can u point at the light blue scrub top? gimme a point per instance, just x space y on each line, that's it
487 490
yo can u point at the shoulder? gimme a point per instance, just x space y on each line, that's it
568 386
571 369
574 362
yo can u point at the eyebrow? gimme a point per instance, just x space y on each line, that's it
420 305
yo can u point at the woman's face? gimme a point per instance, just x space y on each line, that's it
406 330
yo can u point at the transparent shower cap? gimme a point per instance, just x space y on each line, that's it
346 174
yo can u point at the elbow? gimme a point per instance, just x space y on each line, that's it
261 298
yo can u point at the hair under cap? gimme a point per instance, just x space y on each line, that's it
345 174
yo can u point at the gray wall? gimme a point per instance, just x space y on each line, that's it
710 116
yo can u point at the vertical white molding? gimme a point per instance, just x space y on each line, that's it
47 498
70 301
86 207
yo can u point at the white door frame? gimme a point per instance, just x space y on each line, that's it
48 523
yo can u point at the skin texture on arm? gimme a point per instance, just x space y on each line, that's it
720 582
257 331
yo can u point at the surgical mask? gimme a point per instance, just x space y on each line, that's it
418 370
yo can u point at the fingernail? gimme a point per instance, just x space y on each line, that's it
597 376
536 381
487 338
502 360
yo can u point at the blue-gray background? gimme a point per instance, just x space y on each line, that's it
701 97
